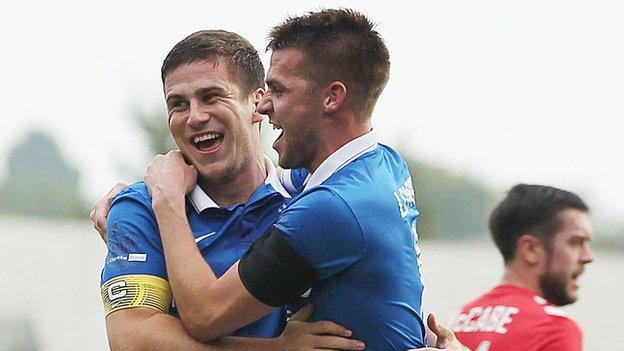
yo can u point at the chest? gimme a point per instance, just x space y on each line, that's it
223 236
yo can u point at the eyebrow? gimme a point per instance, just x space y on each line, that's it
273 83
212 89
173 97
579 237
198 92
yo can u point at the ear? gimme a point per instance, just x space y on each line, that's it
530 249
256 96
336 97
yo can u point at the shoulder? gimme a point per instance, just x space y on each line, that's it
131 216
380 168
320 213
560 331
563 332
392 156
321 201
561 320
133 200
135 191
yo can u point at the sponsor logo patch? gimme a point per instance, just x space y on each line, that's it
137 257
117 258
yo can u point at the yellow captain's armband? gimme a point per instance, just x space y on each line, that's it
136 290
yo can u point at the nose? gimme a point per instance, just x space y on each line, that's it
197 116
265 105
588 254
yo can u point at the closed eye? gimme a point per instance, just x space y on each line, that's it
274 88
208 98
177 104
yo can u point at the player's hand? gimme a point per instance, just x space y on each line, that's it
446 337
324 335
99 215
169 176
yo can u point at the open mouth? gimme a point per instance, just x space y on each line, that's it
577 274
575 277
277 127
207 142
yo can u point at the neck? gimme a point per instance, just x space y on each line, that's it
239 189
337 133
523 277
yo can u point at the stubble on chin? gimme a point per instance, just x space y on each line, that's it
554 288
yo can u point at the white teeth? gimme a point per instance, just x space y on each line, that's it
205 137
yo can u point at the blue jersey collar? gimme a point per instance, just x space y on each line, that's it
201 201
342 157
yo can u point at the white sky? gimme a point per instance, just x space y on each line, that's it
507 91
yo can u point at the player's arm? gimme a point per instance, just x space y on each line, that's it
138 329
211 307
135 293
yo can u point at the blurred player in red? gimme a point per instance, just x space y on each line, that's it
544 235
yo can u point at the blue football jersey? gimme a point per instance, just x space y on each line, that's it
355 224
134 273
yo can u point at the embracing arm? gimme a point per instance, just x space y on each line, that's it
208 307
135 292
189 275
138 329
148 329
211 307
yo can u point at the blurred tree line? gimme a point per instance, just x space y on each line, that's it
40 183
450 205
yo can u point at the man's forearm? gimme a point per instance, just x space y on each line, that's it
141 329
189 275
209 307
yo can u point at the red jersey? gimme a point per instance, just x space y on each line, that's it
509 318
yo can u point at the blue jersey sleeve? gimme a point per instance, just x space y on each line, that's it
322 229
134 273
134 245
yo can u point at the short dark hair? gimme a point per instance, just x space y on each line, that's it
207 45
530 209
338 44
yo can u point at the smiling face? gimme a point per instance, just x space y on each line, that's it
570 252
212 124
293 106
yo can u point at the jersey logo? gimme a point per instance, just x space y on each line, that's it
137 257
405 197
200 238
